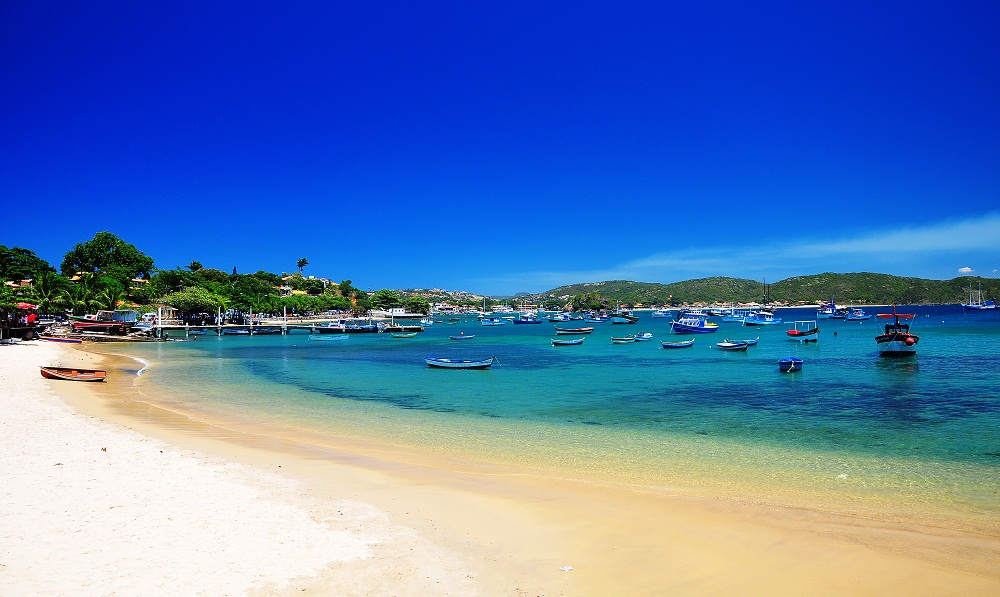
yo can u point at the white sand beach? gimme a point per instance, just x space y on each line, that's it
100 499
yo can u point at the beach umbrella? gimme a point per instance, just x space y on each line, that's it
26 306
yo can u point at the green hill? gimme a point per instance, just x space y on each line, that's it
865 288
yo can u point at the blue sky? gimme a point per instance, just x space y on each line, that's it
505 147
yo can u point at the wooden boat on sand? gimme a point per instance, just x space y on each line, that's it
73 374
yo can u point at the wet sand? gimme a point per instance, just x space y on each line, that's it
331 520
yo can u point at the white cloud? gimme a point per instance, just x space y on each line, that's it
912 251
965 270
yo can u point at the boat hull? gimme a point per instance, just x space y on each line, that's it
575 342
681 328
683 344
789 364
573 331
68 374
441 363
897 345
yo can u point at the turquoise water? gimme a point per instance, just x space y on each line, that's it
924 428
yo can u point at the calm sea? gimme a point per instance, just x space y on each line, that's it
851 427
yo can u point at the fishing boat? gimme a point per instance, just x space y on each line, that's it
733 346
680 344
693 323
735 315
857 314
328 337
573 342
443 363
196 332
72 374
621 316
662 313
643 336
63 340
976 303
749 342
572 331
625 340
789 364
558 317
803 331
404 334
527 319
897 341
462 336
236 332
762 318
830 310
490 321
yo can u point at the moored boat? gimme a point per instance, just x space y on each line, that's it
680 344
732 346
624 340
643 336
74 374
573 342
830 310
789 364
492 321
327 337
803 331
622 316
573 331
443 363
662 313
462 336
762 318
749 341
976 303
404 334
693 323
857 314
897 341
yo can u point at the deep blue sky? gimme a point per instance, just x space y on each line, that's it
508 146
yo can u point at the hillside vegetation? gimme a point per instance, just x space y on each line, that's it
867 288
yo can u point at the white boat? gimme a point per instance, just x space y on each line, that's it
663 313
443 363
328 337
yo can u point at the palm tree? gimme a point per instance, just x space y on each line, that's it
48 291
111 296
194 266
82 296
301 263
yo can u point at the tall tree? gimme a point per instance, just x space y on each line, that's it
18 263
110 256
194 266
48 291
301 263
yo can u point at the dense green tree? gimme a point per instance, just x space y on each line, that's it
417 304
48 290
196 300
82 296
386 299
108 255
18 263
194 266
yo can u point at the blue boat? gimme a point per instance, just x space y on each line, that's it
621 316
462 336
488 321
693 323
681 344
527 319
443 363
762 318
789 364
662 313
830 310
858 315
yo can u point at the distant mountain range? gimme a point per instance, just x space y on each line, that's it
864 288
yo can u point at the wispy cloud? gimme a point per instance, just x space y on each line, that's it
923 251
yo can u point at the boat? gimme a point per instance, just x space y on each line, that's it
625 340
762 318
733 346
462 336
426 321
404 334
236 332
693 323
572 331
803 331
327 337
488 321
857 314
737 315
749 342
897 341
72 374
527 319
621 316
557 318
789 364
830 310
63 340
976 303
662 313
459 363
196 332
643 336
680 344
573 342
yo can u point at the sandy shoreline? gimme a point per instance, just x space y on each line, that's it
176 507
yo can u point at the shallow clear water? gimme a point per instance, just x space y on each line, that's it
924 428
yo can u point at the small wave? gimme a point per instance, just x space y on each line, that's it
145 365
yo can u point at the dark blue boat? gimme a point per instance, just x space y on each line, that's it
789 364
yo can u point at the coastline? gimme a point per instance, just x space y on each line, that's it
503 534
